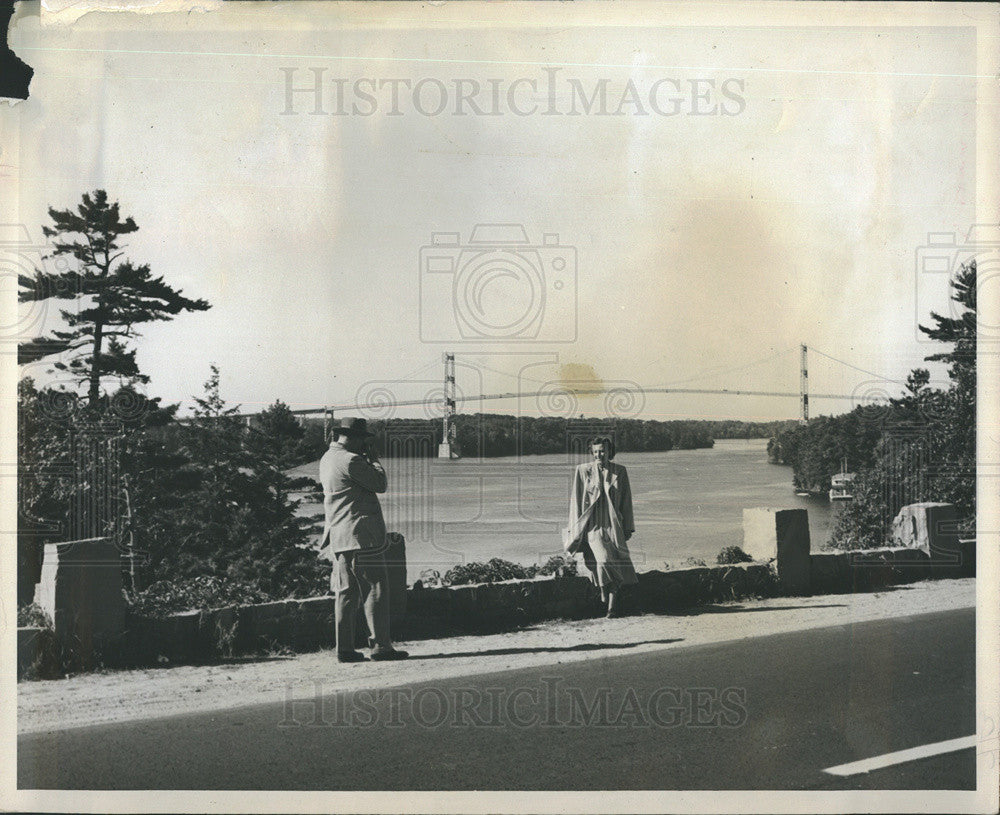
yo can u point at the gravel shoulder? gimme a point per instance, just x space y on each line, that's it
88 699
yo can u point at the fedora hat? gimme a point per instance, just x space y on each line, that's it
351 426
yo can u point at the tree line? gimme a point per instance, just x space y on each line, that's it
487 435
207 502
918 447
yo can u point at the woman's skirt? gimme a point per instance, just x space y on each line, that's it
610 565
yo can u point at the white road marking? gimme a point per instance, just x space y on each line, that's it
902 756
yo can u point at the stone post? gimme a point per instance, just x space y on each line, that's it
395 563
781 536
81 589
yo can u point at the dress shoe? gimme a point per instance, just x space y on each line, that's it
350 656
387 654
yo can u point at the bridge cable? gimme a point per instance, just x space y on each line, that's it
856 368
722 369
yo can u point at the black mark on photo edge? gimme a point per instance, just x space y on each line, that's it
15 74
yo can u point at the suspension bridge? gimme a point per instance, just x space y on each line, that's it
446 399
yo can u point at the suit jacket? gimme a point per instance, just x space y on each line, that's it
351 485
587 488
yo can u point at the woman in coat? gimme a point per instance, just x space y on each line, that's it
601 522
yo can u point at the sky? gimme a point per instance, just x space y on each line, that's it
742 190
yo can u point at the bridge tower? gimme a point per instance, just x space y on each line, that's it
327 424
447 448
804 385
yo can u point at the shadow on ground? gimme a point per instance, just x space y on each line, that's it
724 609
600 646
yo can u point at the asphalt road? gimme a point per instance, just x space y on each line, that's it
763 713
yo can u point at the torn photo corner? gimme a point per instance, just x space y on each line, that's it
67 12
500 407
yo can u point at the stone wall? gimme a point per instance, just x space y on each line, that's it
871 569
307 625
267 628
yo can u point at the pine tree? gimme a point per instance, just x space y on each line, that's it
228 515
273 442
960 331
955 456
113 296
936 459
280 558
217 432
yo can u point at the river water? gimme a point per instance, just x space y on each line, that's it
688 504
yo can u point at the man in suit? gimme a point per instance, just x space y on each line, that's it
354 535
